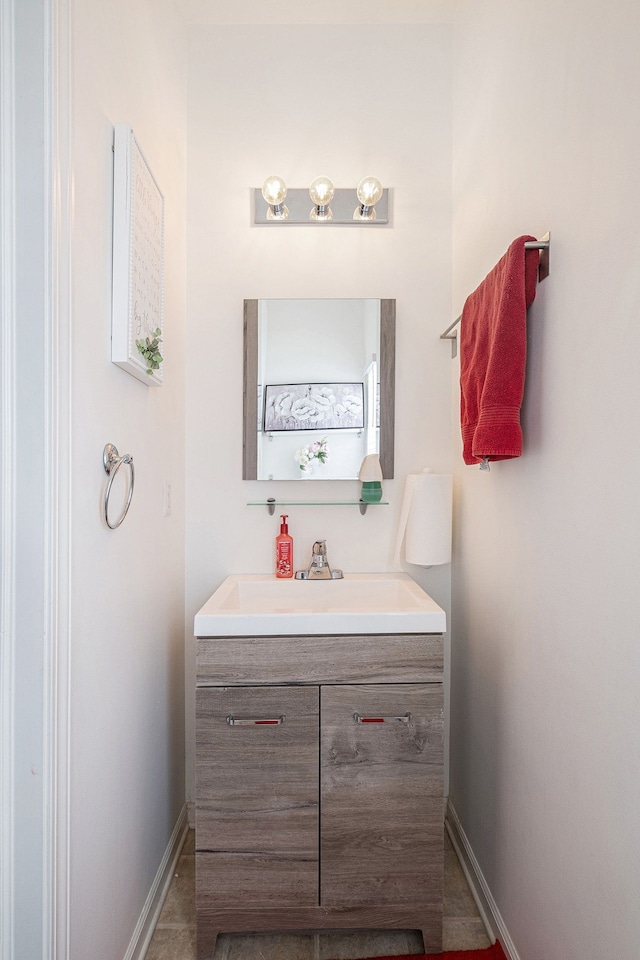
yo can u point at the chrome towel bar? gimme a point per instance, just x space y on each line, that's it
543 246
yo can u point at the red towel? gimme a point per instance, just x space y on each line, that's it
493 349
494 952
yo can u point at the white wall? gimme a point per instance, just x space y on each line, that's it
300 101
127 674
545 767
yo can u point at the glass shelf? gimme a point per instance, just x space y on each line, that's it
270 503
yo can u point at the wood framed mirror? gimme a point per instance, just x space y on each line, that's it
318 370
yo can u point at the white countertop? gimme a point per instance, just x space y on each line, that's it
361 603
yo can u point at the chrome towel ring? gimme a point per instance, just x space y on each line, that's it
112 462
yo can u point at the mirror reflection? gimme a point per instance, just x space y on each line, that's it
318 387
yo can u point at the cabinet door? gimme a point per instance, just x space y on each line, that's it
257 795
382 795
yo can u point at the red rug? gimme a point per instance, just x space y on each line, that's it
494 952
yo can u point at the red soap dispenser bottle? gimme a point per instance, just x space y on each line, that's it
284 551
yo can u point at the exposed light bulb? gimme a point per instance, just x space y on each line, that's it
369 191
274 190
321 191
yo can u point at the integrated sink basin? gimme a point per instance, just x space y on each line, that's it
361 603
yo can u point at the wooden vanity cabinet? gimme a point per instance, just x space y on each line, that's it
319 791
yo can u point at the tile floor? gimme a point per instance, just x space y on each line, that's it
175 935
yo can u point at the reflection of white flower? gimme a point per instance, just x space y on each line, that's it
303 408
317 450
352 404
318 415
324 397
282 405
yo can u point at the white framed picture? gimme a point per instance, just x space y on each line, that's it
137 318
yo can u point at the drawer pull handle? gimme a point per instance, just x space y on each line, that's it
360 719
254 721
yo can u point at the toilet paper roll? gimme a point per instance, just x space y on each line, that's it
425 519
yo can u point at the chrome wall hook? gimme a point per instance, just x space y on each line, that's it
112 461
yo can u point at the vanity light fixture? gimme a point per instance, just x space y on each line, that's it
274 190
321 192
330 204
369 192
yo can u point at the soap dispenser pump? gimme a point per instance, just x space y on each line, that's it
371 477
284 551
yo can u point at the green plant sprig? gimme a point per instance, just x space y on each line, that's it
150 350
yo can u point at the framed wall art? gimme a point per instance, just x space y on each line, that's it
137 320
313 406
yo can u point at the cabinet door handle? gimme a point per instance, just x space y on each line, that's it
254 721
360 719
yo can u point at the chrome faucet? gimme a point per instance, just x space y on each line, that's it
319 568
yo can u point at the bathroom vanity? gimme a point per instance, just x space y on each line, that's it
319 758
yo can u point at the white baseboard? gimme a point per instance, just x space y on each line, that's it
158 893
491 917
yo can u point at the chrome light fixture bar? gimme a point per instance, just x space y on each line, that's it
364 205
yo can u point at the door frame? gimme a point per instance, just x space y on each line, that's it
35 337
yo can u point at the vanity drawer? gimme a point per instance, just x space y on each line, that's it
377 658
257 795
233 881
